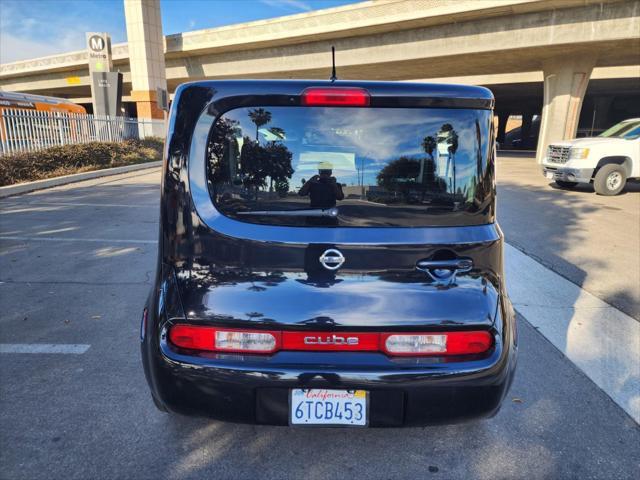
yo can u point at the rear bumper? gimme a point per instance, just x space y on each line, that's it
403 392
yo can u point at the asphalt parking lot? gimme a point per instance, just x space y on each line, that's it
590 239
76 264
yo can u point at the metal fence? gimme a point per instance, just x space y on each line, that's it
28 130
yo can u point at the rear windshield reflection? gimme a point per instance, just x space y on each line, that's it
353 167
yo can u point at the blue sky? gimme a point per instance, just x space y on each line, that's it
35 28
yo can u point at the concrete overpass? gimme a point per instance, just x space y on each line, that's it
552 46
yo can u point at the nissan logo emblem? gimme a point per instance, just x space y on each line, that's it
332 259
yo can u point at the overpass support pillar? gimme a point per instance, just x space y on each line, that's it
565 83
525 129
146 57
601 107
503 118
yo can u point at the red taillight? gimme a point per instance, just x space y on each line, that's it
436 343
189 336
218 339
335 97
215 339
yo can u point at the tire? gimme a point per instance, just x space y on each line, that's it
610 180
563 184
159 405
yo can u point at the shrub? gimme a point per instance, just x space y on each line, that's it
68 159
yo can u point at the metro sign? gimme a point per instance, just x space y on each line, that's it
99 52
97 43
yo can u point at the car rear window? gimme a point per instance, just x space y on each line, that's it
352 167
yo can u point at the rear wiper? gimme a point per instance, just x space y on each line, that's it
310 212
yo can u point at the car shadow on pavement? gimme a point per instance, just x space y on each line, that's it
630 187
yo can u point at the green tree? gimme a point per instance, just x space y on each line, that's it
222 150
278 162
282 187
259 162
429 144
254 168
399 175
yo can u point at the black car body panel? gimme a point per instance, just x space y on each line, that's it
214 269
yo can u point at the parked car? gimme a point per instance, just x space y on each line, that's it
607 161
312 307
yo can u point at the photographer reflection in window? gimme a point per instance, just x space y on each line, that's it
323 189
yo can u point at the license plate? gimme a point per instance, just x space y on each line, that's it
328 407
550 175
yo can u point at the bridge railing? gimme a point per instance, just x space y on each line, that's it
29 130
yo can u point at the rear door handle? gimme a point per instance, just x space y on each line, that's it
444 271
459 264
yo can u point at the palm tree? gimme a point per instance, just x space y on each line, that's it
260 117
453 147
429 144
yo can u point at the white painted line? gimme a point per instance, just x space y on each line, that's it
599 339
75 239
70 348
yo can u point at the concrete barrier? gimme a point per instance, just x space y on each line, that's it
26 187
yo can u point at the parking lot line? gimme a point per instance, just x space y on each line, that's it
599 339
59 348
75 239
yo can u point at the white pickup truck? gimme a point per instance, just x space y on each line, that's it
607 160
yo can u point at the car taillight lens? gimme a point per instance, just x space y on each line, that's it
214 339
422 344
231 341
188 336
335 97
450 343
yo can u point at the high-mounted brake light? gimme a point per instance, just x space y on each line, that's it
219 339
450 343
335 97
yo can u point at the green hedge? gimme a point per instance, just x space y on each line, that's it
68 159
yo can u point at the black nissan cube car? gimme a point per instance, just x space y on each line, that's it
329 255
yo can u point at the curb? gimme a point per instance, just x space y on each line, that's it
26 187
